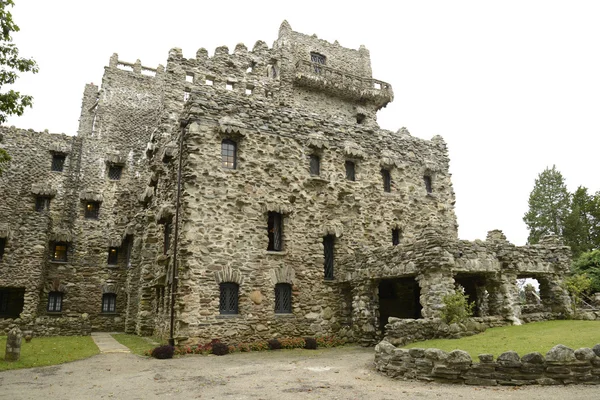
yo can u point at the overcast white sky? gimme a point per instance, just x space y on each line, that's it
512 86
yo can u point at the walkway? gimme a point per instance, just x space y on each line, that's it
107 344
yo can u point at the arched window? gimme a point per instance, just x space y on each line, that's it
283 298
228 154
55 302
228 301
109 303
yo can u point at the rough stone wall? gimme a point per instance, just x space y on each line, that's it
561 365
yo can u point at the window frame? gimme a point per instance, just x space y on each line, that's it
329 257
386 175
115 171
55 302
229 293
42 203
396 236
428 180
2 247
109 303
58 162
229 154
113 256
314 165
275 231
283 290
91 210
318 60
350 167
65 258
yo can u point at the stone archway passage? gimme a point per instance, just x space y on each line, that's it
398 298
475 287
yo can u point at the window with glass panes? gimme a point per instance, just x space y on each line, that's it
109 303
283 298
350 170
92 210
114 172
275 228
318 60
228 154
228 300
315 164
113 255
59 252
55 301
58 162
42 203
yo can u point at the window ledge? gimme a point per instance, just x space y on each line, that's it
108 314
112 266
58 262
276 253
318 179
284 315
54 313
432 195
330 281
228 316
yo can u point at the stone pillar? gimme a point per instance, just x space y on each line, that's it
435 284
511 303
364 313
557 297
13 345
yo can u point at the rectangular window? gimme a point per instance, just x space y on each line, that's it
58 162
113 255
315 165
167 238
396 236
109 303
114 172
328 249
3 302
92 210
283 298
42 203
350 170
428 185
59 252
128 250
387 180
55 302
228 154
275 229
318 60
2 246
228 300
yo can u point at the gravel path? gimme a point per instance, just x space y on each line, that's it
342 373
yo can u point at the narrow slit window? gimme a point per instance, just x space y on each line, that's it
109 303
167 237
228 154
2 247
92 210
114 172
59 252
113 255
228 300
428 184
55 302
275 229
350 170
128 250
315 165
328 249
58 162
42 203
387 180
396 236
283 298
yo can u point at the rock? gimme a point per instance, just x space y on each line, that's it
459 357
436 354
509 359
560 354
486 358
584 354
533 358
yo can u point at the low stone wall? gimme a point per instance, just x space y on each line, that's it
51 326
561 365
400 332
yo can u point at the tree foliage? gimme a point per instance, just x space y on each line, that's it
549 203
589 264
582 224
577 286
456 307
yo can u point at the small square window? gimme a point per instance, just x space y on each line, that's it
42 203
114 172
350 170
2 247
58 162
189 78
55 301
249 91
59 252
229 86
113 255
109 303
428 184
92 210
209 81
315 165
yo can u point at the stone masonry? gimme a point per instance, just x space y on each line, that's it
298 214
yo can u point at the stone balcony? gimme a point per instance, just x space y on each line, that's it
342 84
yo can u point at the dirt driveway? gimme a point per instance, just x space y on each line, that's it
342 373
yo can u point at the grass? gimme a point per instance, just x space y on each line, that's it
43 351
136 344
537 336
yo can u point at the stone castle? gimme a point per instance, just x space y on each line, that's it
261 182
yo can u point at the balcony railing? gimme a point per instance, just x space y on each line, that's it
342 84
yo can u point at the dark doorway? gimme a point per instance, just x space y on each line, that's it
11 302
399 298
474 286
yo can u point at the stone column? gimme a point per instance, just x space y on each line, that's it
435 284
13 345
364 313
511 304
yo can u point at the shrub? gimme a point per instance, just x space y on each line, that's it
329 341
259 346
456 307
220 349
577 286
310 343
274 344
244 347
292 343
163 352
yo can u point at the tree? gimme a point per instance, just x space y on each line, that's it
589 264
548 206
582 224
11 102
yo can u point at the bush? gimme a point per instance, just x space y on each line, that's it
274 344
310 343
292 343
456 307
259 346
329 341
220 349
163 352
577 286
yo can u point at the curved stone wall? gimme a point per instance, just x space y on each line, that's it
561 365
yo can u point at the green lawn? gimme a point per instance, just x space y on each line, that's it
42 351
136 344
537 336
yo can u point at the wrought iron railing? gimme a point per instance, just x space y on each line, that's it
340 76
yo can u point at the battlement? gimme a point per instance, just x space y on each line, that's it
136 67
